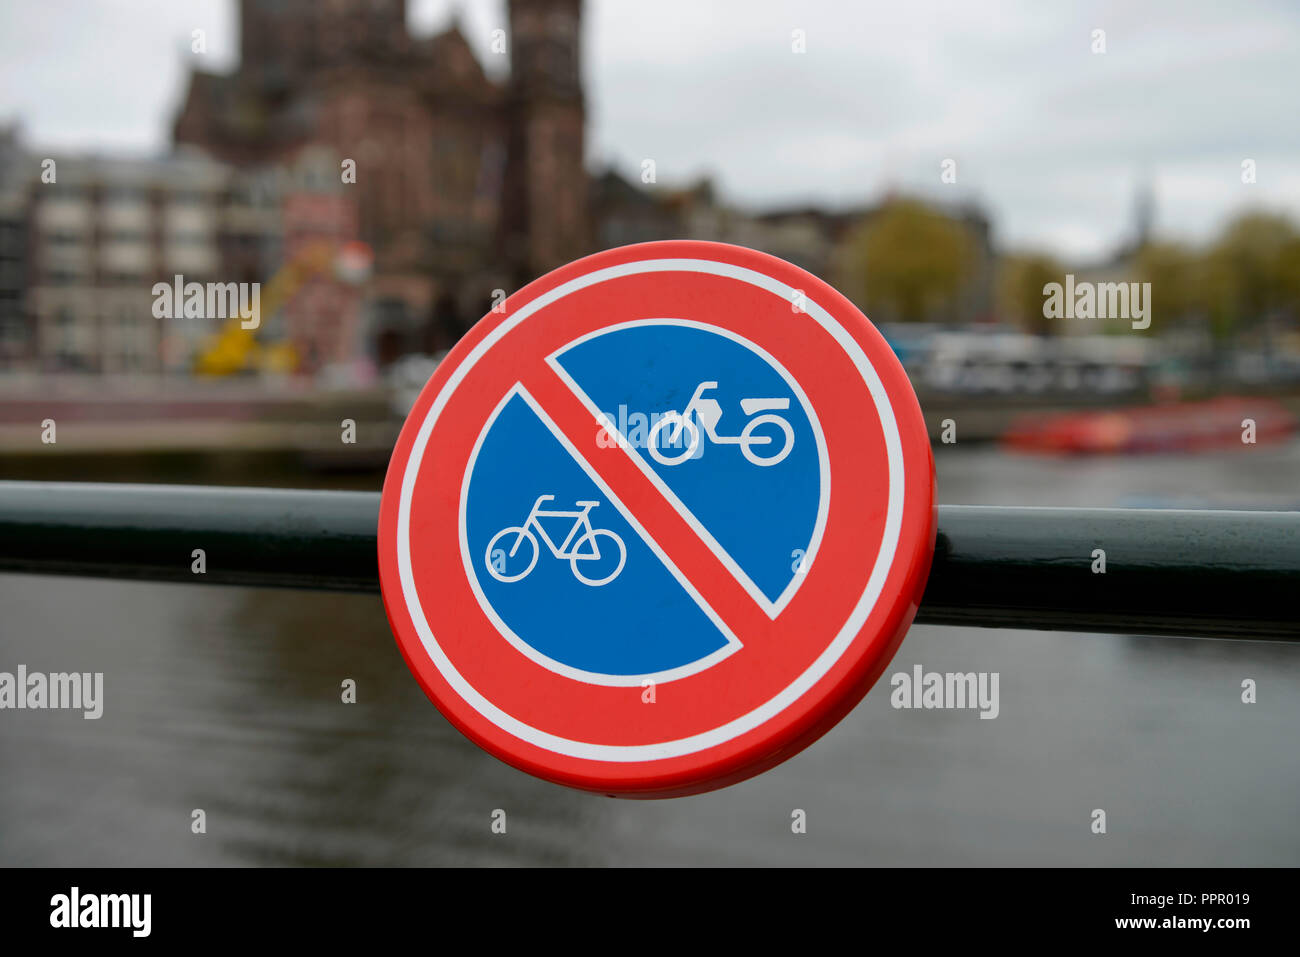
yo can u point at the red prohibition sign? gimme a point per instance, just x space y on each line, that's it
793 664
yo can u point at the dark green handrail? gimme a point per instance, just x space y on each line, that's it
1220 574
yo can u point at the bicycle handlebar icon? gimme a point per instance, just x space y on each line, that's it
571 548
709 413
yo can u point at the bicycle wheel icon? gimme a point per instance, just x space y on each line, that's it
510 551
596 555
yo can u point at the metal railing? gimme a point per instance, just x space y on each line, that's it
1219 574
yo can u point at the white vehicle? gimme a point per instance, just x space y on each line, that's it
1014 363
708 412
571 548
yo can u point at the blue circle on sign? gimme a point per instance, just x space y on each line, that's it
725 434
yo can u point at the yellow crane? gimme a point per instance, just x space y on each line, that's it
236 349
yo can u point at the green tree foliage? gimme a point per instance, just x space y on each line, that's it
1251 271
1020 281
908 261
1178 280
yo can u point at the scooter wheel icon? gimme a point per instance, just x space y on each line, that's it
748 440
681 424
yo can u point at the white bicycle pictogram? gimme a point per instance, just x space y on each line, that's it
571 548
708 412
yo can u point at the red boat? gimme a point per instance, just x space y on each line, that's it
1176 427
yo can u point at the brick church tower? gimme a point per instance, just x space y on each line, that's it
280 40
545 216
463 185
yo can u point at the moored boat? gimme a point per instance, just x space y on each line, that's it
1185 426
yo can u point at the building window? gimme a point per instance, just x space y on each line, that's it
126 194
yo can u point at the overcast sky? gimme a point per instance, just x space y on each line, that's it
1052 138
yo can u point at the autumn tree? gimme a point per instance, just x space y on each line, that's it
1250 272
1020 281
908 261
1178 280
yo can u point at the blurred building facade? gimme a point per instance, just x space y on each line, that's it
89 237
812 237
85 239
340 129
322 315
15 334
462 185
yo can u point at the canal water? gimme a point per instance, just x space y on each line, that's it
228 700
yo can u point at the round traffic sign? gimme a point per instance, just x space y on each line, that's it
659 520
